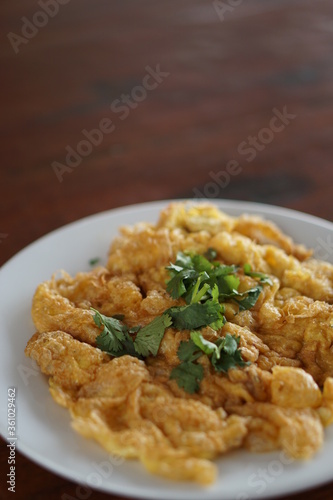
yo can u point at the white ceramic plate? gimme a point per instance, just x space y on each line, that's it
43 428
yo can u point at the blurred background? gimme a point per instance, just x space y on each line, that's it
106 104
219 69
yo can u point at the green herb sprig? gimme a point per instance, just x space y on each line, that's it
223 355
204 284
116 338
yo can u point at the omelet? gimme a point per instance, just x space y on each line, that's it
281 399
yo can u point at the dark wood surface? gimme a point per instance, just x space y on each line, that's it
223 75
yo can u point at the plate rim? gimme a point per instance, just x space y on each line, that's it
277 209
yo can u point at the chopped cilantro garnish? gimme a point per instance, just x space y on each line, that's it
204 285
188 351
193 277
177 285
188 270
94 261
116 338
210 254
250 298
205 345
149 337
188 376
113 335
263 278
230 355
197 315
223 355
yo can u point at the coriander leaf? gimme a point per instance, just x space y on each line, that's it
223 356
228 286
149 337
230 355
184 260
223 270
230 344
108 342
94 261
210 254
196 315
226 362
193 277
114 339
177 285
188 376
215 293
250 299
205 345
112 336
264 279
188 351
128 348
201 264
216 325
184 275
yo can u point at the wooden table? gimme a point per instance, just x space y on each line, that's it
106 104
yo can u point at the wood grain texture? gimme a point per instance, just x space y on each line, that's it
225 79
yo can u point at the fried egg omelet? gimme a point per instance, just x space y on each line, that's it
282 400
